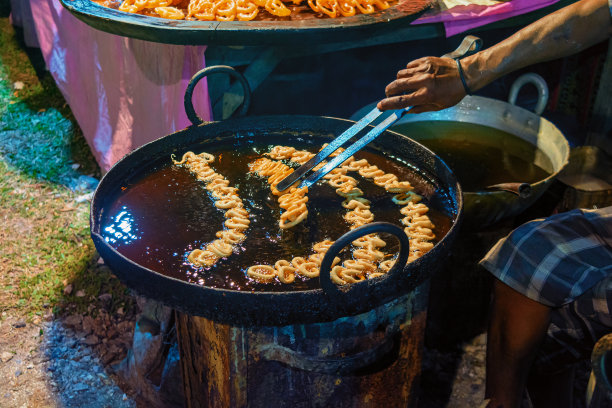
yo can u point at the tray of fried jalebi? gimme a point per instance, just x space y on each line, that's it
246 22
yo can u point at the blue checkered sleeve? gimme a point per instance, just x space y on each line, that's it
555 260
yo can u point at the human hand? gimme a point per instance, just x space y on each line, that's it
427 84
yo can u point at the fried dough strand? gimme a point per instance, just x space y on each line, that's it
237 217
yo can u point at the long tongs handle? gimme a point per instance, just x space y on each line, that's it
329 149
355 147
469 45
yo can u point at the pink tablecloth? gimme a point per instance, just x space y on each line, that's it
123 92
462 18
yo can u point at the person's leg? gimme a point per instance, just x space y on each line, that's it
516 329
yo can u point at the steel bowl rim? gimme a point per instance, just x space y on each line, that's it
483 100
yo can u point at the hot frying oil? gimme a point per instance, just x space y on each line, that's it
480 156
158 219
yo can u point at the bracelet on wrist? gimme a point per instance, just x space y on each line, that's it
462 76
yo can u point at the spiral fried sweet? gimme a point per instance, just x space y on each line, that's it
200 257
285 271
231 236
246 10
342 276
220 248
368 260
261 273
225 198
293 201
418 227
171 13
281 152
301 157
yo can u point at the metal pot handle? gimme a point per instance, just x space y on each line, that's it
325 281
539 82
215 69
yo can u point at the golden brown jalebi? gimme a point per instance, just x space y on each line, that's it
368 259
281 152
293 201
246 10
201 10
341 275
237 218
225 10
285 271
277 8
294 204
346 8
301 157
366 255
418 227
170 12
262 273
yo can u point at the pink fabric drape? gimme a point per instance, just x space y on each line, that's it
123 92
459 19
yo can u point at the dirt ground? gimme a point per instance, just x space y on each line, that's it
47 364
23 365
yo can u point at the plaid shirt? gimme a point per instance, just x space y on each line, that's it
557 259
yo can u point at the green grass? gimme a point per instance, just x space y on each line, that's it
37 131
44 231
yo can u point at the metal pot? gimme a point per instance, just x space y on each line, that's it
277 308
486 207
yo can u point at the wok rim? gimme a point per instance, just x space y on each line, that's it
455 205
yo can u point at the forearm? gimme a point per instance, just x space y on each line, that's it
562 33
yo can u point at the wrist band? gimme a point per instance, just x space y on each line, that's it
465 86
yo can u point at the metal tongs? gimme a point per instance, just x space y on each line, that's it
468 46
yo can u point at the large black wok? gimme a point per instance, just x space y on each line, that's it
278 308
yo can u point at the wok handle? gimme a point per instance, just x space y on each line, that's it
325 281
215 69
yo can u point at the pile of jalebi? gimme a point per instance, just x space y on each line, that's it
368 260
246 10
